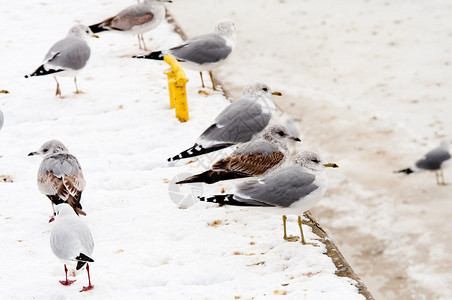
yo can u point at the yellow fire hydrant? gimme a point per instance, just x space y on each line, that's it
176 86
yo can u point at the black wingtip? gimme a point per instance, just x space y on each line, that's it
198 150
211 177
157 55
80 265
83 257
406 171
42 71
95 28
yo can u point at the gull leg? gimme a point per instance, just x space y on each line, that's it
213 81
302 235
77 91
284 218
67 282
90 286
202 91
202 80
139 41
285 237
54 213
58 91
441 175
144 44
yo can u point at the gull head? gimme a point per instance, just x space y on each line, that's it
49 148
259 89
225 26
278 133
82 31
312 161
64 209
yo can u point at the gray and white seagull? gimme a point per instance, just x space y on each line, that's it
435 160
256 158
71 241
291 190
203 53
60 176
135 19
67 57
239 122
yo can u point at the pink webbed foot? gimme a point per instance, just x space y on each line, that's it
67 282
87 288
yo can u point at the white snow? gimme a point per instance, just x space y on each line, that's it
121 130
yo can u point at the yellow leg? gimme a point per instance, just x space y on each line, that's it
77 91
213 81
202 80
285 237
302 236
284 219
442 180
58 91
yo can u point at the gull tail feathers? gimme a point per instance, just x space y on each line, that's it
95 28
82 259
406 171
228 199
197 150
157 55
210 177
42 71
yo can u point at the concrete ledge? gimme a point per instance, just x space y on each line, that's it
343 268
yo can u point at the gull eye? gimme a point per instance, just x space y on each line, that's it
45 150
265 89
315 161
280 133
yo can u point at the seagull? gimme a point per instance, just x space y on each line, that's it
239 122
256 158
60 176
67 57
203 53
294 189
435 160
135 19
71 241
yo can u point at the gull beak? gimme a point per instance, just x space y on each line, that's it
277 93
331 165
95 36
294 138
32 153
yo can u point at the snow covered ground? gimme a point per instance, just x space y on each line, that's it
122 130
371 82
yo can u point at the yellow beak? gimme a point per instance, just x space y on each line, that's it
331 165
95 36
277 93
